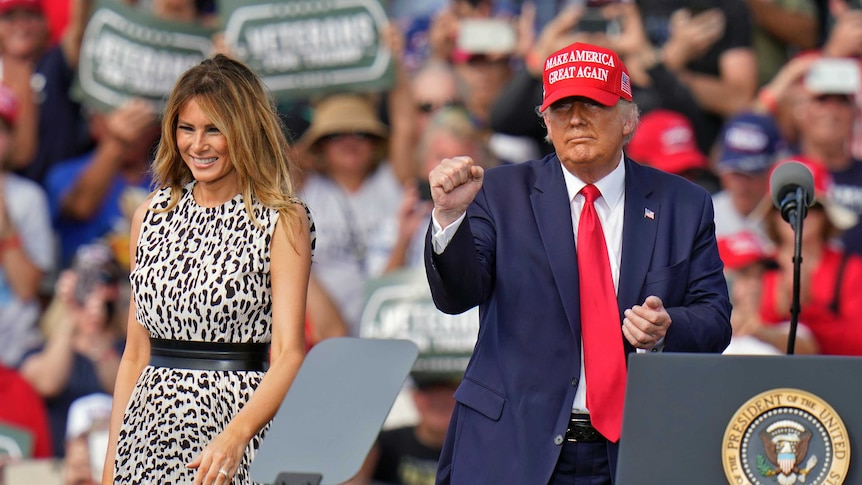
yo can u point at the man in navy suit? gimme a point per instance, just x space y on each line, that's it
507 240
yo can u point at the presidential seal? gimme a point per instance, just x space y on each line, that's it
785 437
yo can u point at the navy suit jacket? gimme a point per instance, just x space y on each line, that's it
514 256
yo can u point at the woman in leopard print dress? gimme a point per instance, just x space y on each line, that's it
221 258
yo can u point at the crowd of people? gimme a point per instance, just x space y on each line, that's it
723 93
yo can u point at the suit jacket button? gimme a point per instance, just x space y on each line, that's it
558 440
574 382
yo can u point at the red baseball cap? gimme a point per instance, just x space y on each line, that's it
7 5
8 106
585 70
741 249
665 140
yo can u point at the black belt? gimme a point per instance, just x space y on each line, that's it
580 430
187 354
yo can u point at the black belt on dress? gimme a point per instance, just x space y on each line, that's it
188 354
580 430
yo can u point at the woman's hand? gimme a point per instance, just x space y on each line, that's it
219 461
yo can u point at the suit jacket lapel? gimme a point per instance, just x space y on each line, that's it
553 215
639 234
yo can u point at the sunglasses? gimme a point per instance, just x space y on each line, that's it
358 135
487 60
837 98
20 14
431 107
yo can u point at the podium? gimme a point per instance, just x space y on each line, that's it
718 419
333 411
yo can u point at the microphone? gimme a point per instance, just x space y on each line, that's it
784 183
792 188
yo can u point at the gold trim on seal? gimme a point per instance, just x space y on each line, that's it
786 408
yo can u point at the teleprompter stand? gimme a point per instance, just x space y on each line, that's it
333 411
286 478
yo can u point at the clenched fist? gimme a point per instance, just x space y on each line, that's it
454 184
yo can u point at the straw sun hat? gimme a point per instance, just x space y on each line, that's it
343 113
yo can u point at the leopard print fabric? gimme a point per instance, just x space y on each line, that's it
201 274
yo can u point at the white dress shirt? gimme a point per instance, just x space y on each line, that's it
610 209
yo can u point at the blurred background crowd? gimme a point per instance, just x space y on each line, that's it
728 90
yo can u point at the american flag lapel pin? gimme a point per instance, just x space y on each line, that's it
649 214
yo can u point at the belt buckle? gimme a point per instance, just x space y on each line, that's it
580 430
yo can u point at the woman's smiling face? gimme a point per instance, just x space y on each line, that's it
203 147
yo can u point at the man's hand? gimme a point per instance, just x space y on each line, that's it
6 228
443 34
126 123
632 38
845 38
644 325
556 34
454 184
691 36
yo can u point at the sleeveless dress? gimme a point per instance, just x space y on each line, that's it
201 274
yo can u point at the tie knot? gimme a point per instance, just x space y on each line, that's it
590 193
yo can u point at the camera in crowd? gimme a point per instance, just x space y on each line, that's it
94 265
593 20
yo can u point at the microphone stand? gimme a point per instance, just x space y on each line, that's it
797 214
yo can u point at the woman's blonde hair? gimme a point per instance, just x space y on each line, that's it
237 103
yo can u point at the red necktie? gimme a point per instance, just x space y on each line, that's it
604 358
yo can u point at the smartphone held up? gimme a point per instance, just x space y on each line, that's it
595 21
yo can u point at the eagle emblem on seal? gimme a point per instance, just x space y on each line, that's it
785 443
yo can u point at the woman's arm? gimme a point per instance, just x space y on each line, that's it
73 35
48 371
290 265
135 358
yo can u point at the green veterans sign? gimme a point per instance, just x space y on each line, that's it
399 306
302 48
15 442
128 53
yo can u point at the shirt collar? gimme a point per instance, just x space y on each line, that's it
611 185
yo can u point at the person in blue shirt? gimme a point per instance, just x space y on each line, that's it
86 193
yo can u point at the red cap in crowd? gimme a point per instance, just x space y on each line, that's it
8 106
585 70
7 5
740 250
665 140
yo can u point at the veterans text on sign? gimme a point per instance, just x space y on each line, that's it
126 53
301 48
399 306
